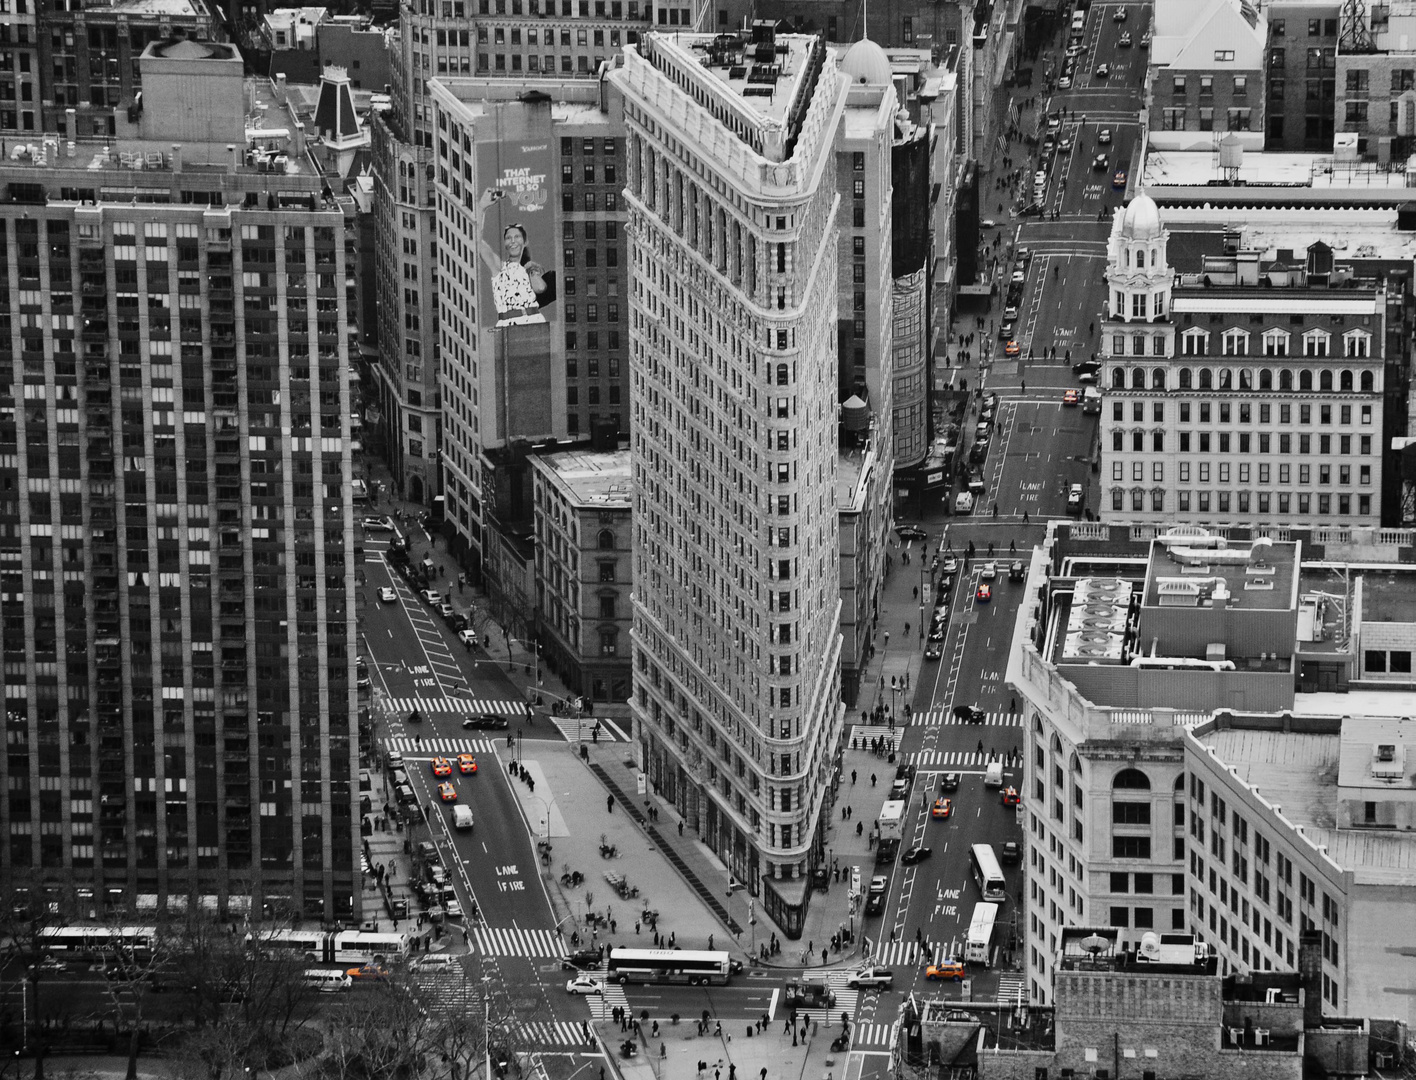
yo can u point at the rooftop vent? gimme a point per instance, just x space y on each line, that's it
1388 761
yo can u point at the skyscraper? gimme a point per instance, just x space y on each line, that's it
178 609
733 219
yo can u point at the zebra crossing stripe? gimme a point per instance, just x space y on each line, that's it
1012 988
507 941
946 717
870 1035
909 954
553 1033
433 747
454 705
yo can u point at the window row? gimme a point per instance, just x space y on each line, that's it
1284 379
1205 443
1276 342
1244 502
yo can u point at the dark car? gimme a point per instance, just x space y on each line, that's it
487 722
915 855
978 453
911 532
1011 852
969 714
875 903
581 959
405 795
1015 571
427 851
949 782
1086 367
1032 209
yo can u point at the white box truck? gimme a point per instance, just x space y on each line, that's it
994 776
462 817
888 829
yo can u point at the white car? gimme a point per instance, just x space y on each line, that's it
1064 83
453 908
467 637
378 524
584 984
989 571
387 595
951 565
432 596
871 978
435 962
1103 137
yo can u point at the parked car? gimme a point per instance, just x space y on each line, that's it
581 959
911 532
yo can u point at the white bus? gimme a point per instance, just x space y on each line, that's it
340 947
987 874
978 949
98 942
669 966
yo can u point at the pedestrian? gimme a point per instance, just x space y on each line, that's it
609 804
636 927
680 828
710 942
853 777
859 826
872 779
614 927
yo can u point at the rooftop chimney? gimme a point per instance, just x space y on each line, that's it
1310 971
71 124
176 157
280 87
235 152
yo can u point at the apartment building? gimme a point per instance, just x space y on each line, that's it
89 58
525 44
179 539
562 368
734 213
1243 377
21 87
1206 74
1301 91
584 569
1208 753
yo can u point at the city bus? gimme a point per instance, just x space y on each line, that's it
978 948
97 942
669 966
987 874
339 947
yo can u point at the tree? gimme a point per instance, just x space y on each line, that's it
382 1033
30 902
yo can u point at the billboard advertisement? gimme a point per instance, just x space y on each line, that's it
517 264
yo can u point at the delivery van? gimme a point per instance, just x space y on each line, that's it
327 980
964 503
462 817
994 776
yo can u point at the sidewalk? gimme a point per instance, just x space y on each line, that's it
739 1054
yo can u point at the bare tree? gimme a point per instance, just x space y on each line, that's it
30 903
383 1033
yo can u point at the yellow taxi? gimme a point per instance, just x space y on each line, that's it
447 792
943 808
1010 796
1071 397
1012 348
441 766
467 763
945 969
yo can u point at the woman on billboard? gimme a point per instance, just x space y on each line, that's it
520 286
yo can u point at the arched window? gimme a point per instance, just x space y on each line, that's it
1368 382
1285 379
1265 379
1344 381
781 374
607 540
1131 780
1138 379
1118 379
1184 378
1305 380
1037 723
1325 379
1056 745
1158 379
1206 379
1141 259
1076 764
1180 782
1226 378
1246 379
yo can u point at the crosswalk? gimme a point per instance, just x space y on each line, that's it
448 993
507 941
846 1001
907 954
946 718
459 704
871 1036
408 744
1012 987
864 736
943 760
602 1006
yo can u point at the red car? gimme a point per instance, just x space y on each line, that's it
1071 397
1010 796
943 808
984 594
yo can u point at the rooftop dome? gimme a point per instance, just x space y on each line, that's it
866 62
1141 220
